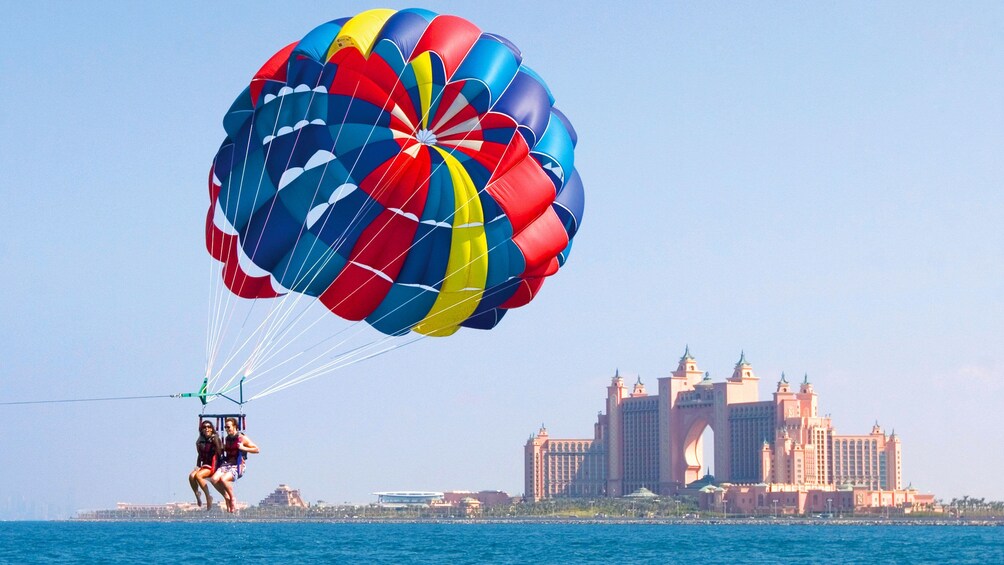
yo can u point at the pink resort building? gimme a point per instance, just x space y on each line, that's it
284 496
770 456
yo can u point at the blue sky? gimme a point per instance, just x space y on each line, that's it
818 185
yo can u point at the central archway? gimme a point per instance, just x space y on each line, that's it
698 450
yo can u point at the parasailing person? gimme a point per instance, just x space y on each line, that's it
209 450
235 444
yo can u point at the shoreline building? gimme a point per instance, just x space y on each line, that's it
284 496
654 441
408 498
486 498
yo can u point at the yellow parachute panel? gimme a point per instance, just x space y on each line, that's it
360 31
467 268
422 66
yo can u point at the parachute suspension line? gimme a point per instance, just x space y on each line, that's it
306 367
288 327
224 310
463 301
272 336
334 365
215 284
257 351
229 307
218 306
337 364
269 336
341 361
217 287
277 334
224 318
224 304
230 380
238 348
273 305
212 291
324 353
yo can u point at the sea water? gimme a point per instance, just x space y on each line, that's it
464 542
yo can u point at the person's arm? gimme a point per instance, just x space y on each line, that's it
247 445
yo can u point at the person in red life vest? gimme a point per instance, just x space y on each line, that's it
209 449
235 446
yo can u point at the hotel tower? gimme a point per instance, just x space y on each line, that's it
654 441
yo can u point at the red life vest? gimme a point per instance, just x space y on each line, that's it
231 449
208 449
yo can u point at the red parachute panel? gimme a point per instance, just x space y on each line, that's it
523 192
273 69
451 38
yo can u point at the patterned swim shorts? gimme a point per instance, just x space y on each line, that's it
232 469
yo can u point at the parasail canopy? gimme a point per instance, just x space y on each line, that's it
401 167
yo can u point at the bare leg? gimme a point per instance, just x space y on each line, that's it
193 481
201 475
228 483
220 485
